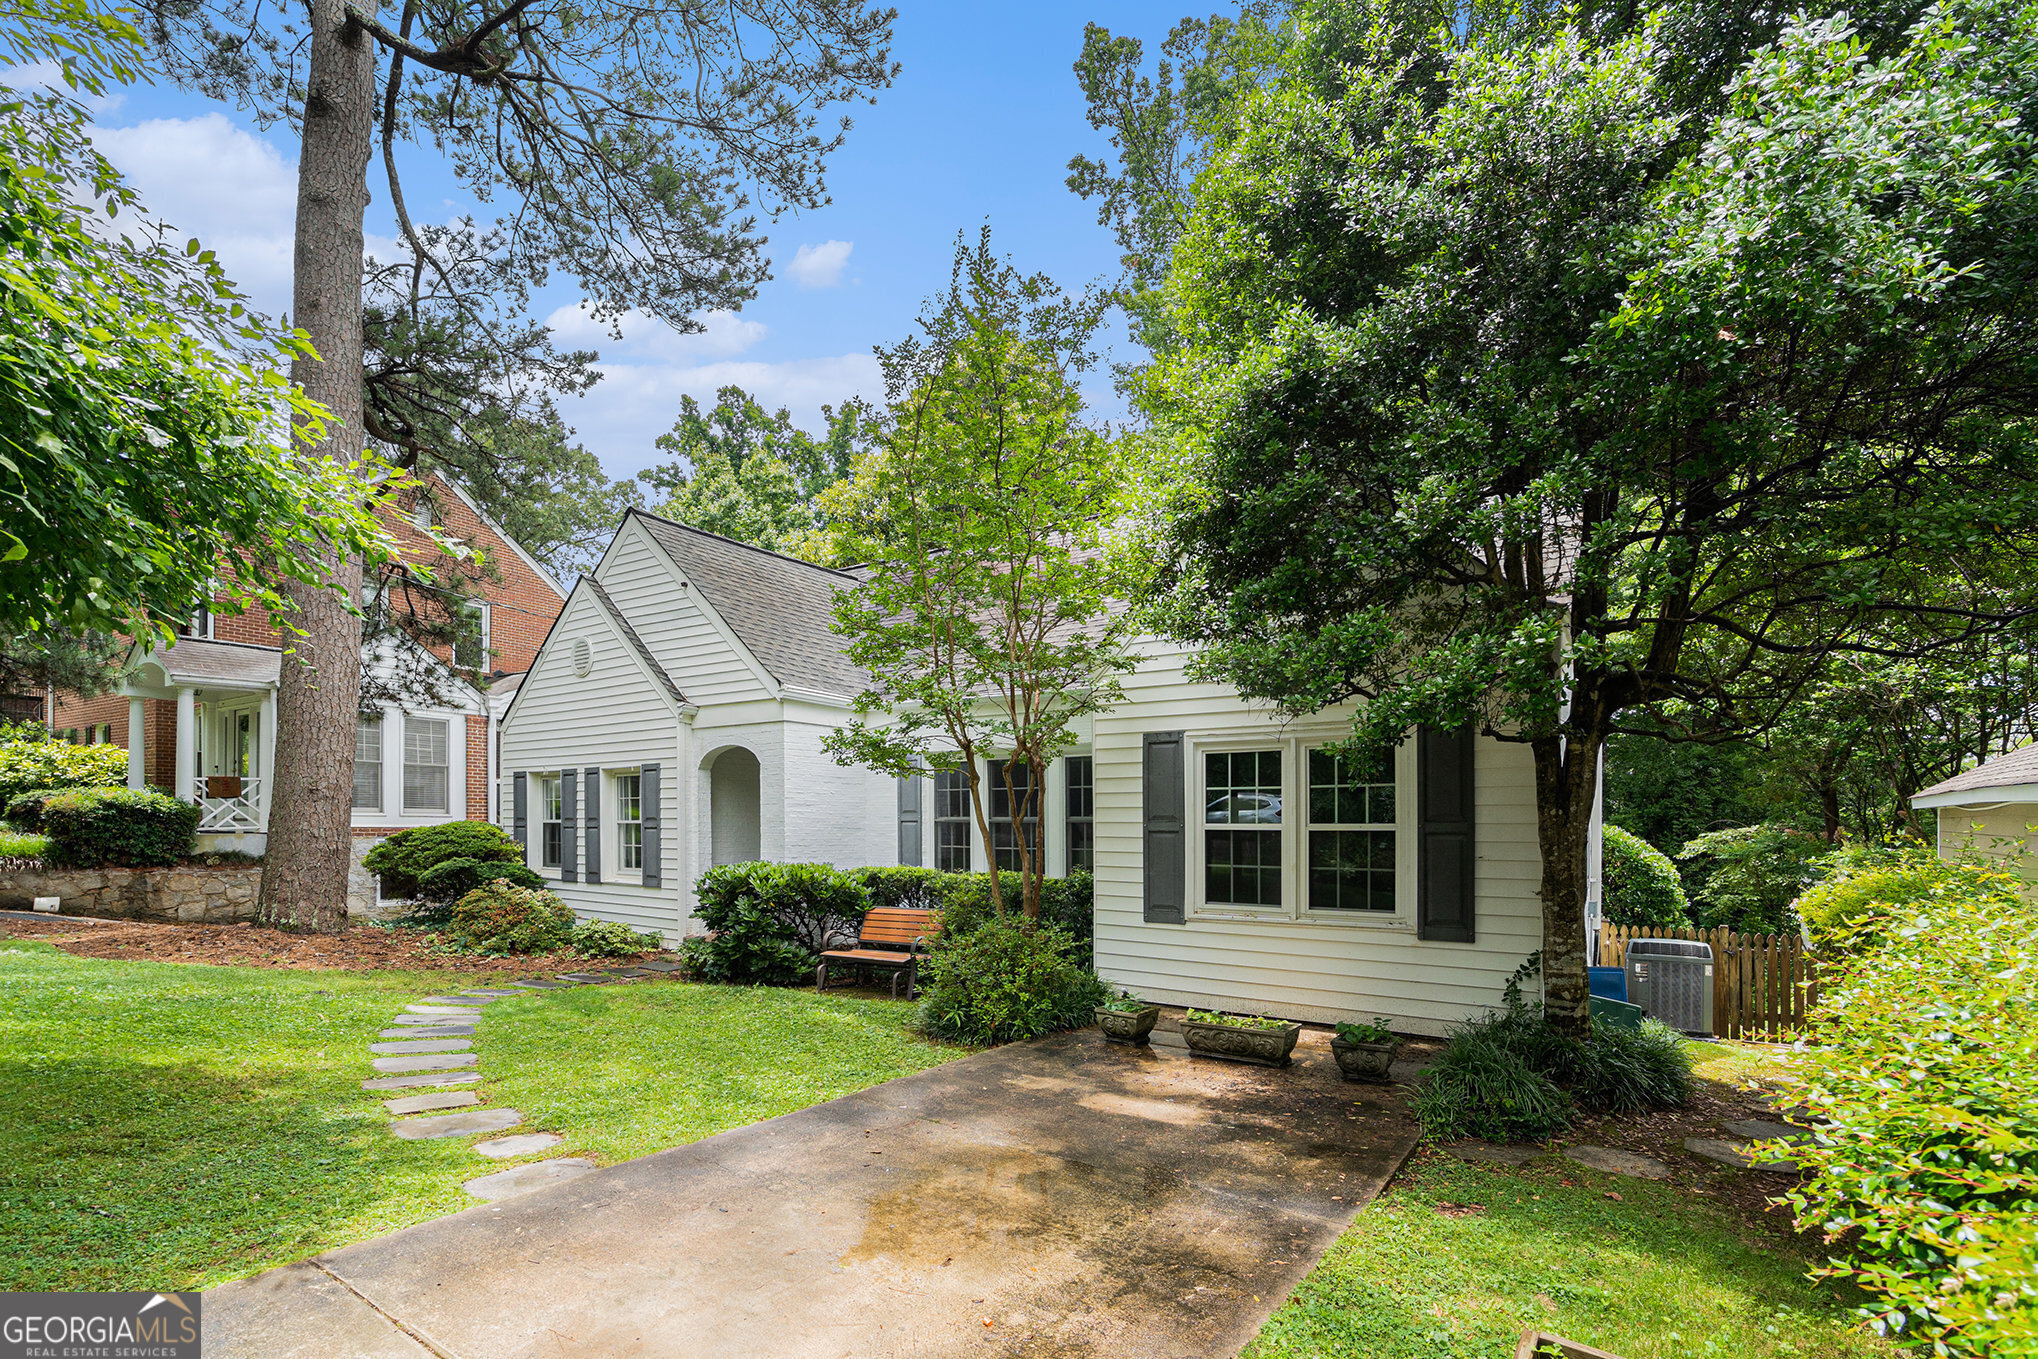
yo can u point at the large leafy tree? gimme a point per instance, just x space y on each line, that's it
1531 383
139 400
632 140
989 616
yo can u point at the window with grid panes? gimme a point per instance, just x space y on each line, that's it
951 821
1082 813
1020 797
1242 818
630 822
1351 832
549 837
368 763
426 770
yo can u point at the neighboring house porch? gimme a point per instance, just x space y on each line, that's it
222 746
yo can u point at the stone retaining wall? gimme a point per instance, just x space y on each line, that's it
185 893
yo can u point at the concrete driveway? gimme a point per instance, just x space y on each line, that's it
1061 1198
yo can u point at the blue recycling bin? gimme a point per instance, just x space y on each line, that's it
1608 983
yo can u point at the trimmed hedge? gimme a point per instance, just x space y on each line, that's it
1641 885
405 857
1921 1076
37 762
445 883
94 827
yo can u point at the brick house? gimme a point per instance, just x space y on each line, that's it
205 708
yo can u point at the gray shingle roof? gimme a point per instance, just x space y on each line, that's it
630 636
780 607
199 661
2004 771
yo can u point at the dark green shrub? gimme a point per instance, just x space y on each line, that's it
1640 884
914 888
445 883
404 857
1752 874
24 810
999 983
1479 1088
612 939
93 827
965 903
500 918
770 922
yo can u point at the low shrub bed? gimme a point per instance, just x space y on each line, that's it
404 859
1000 982
32 758
94 827
503 917
1921 1067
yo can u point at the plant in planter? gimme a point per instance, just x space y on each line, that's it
1127 1019
1240 1038
1365 1052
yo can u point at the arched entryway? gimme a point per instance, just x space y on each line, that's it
733 821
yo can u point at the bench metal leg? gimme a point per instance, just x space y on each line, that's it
821 978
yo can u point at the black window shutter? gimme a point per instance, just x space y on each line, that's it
520 810
569 818
1446 846
1166 843
647 801
909 818
591 796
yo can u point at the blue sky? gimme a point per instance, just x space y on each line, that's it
980 124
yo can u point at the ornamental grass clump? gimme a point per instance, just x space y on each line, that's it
1920 1073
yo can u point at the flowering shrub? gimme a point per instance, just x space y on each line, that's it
500 917
1922 1065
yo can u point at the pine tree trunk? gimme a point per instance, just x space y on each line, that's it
304 877
1567 786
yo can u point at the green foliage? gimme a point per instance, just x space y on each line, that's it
989 617
1001 983
1127 1004
1671 792
448 880
1752 874
770 922
1921 1073
499 917
1864 886
1640 883
94 827
29 765
23 845
403 859
1235 1021
1374 1032
612 939
1512 1077
140 457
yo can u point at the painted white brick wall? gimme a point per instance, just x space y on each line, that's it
836 814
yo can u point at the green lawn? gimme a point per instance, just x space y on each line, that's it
173 1126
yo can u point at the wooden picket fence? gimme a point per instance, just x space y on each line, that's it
1763 984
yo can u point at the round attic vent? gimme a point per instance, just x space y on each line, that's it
583 658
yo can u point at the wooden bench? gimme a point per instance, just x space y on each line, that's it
892 939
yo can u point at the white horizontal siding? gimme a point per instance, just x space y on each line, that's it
616 718
1302 969
648 588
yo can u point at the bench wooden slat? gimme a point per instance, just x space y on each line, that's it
895 926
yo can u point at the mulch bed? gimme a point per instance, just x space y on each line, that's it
360 948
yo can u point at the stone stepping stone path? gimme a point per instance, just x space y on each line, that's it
430 1045
1735 1154
1618 1162
1490 1153
1756 1130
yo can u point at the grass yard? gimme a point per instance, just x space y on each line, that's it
173 1126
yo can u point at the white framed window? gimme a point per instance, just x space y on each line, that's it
470 651
1292 829
198 625
952 818
368 762
550 834
1020 796
1079 773
628 800
427 765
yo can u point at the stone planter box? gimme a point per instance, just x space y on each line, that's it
188 892
1265 1047
1128 1026
1364 1061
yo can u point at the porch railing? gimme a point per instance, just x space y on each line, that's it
227 804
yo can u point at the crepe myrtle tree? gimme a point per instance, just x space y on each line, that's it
1531 399
629 137
989 618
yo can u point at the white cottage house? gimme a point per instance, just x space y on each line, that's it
673 721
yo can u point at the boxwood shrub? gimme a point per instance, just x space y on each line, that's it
95 827
403 858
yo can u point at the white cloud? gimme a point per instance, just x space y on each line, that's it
820 266
210 179
635 403
723 334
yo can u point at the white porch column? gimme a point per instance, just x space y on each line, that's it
267 739
137 766
187 743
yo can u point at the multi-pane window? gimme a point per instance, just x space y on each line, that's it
630 821
1019 798
951 820
1242 828
368 762
470 647
1082 813
549 827
426 765
1351 831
